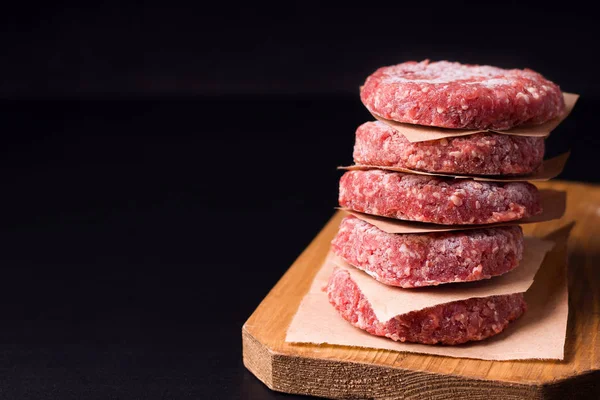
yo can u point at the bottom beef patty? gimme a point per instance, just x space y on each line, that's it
451 323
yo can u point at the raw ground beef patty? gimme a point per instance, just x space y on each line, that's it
453 95
450 323
414 260
478 154
437 200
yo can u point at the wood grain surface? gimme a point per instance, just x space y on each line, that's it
348 372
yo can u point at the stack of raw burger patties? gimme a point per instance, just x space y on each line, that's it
455 96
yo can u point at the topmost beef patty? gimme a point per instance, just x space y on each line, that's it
453 95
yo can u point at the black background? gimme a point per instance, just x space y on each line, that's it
163 165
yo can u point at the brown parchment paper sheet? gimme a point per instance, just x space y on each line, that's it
421 133
388 301
550 169
538 334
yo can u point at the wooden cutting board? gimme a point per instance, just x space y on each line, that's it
349 372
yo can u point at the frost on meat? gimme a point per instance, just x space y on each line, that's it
437 200
415 260
479 154
453 95
451 323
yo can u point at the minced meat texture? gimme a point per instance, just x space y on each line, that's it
452 95
437 200
428 259
478 154
450 324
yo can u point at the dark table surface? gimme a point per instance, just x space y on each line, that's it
139 235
